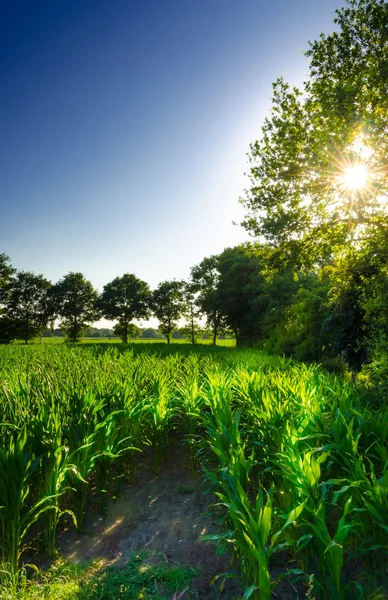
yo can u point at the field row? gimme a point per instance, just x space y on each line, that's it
297 460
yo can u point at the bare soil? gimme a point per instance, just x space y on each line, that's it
166 515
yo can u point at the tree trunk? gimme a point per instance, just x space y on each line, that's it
214 335
192 329
125 332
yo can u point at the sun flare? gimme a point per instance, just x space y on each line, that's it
355 177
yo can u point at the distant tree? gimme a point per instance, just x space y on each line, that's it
125 298
74 299
92 332
204 283
191 312
151 333
7 324
106 332
6 271
178 334
27 304
132 331
167 304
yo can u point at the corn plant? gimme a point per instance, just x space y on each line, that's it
47 433
330 547
160 415
81 433
17 514
259 423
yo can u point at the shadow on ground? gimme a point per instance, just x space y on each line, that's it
162 521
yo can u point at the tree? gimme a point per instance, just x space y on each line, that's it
7 325
204 282
191 313
167 305
6 271
131 332
296 317
151 333
125 298
27 304
239 295
74 299
299 198
358 318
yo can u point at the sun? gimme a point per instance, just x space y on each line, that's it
355 177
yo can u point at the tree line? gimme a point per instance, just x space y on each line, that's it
315 314
29 303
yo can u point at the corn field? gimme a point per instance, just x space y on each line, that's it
296 460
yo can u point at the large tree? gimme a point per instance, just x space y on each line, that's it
125 298
74 299
167 304
27 305
319 172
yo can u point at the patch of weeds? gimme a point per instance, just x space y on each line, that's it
138 580
60 582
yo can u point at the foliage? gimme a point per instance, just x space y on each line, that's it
191 312
167 304
125 298
297 200
151 333
27 304
6 271
74 301
300 329
7 328
204 283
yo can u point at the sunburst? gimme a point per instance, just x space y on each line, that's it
355 177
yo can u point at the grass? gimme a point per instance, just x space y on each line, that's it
228 343
138 580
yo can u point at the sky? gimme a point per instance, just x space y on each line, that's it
125 127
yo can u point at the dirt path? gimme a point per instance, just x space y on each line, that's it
165 515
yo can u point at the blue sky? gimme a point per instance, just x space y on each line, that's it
125 126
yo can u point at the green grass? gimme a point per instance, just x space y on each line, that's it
229 343
138 580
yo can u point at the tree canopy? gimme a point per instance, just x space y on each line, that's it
26 305
74 300
167 304
204 283
302 199
125 298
